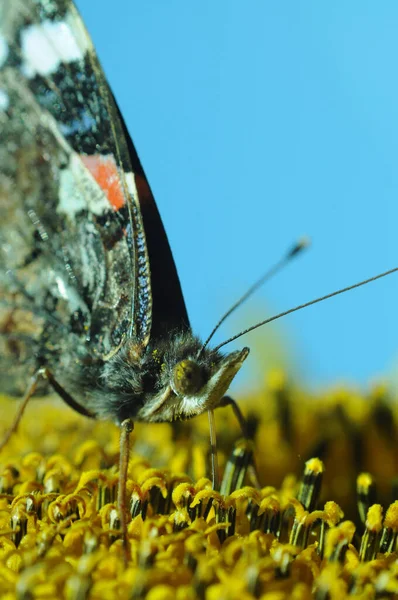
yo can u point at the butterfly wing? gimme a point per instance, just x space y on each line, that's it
168 306
84 258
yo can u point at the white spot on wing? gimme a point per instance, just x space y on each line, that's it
69 294
61 287
4 100
131 186
46 45
3 50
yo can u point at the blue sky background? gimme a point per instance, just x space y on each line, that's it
258 122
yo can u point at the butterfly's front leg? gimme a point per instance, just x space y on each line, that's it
228 401
42 373
126 427
215 478
252 471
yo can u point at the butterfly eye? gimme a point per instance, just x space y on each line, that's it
187 377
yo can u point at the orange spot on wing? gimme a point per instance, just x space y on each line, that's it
105 173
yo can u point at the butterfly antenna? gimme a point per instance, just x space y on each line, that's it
298 247
291 310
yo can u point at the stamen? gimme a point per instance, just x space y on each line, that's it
311 483
237 467
366 495
388 541
371 537
338 540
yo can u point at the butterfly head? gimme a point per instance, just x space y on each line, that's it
189 381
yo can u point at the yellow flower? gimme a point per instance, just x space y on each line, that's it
319 525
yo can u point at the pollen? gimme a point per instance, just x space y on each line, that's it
319 525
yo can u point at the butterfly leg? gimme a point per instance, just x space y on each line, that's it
28 394
126 427
62 393
228 401
42 373
213 450
252 470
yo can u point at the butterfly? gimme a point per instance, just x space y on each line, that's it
91 305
